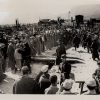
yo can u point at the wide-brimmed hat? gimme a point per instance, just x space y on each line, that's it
68 83
63 56
91 83
2 45
44 68
25 69
17 45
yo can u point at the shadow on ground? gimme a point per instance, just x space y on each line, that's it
75 62
82 51
75 58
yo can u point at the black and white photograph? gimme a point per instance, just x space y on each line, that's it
50 47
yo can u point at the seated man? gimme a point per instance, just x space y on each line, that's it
96 76
91 85
50 65
66 87
44 81
65 68
97 71
25 85
53 87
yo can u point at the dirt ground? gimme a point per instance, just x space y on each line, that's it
82 66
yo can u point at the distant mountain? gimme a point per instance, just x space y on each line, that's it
89 11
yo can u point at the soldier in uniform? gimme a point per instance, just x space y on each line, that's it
1 62
65 68
89 43
96 76
76 42
26 84
91 85
59 51
11 58
66 87
95 50
4 40
33 50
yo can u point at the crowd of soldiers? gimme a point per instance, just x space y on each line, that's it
17 49
55 79
88 38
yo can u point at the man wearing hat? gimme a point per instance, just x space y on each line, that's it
97 71
1 62
4 40
66 87
65 68
89 42
25 85
59 51
10 52
18 57
91 85
49 67
44 81
96 76
76 41
95 48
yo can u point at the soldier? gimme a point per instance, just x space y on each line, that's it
18 57
59 51
4 40
33 50
25 85
96 76
44 81
1 62
76 42
35 43
27 56
84 41
91 85
65 68
11 58
66 87
95 50
53 89
89 43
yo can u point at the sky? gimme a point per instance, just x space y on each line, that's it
30 11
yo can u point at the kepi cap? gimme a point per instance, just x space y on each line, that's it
91 83
44 68
67 84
